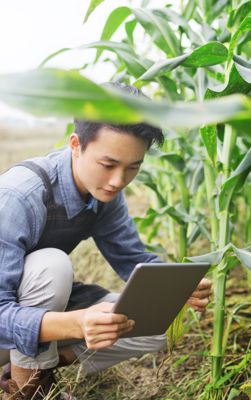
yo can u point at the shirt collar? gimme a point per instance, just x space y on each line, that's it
72 199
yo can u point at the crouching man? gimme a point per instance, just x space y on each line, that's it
47 206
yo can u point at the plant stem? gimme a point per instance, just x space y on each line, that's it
184 190
185 203
211 194
228 145
221 271
171 222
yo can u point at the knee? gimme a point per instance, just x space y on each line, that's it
47 279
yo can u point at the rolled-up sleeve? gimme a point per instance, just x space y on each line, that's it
116 236
19 326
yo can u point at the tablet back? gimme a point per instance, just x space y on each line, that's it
155 293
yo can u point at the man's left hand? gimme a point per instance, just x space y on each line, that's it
200 297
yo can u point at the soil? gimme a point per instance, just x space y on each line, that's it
184 374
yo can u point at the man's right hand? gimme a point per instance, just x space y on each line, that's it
101 327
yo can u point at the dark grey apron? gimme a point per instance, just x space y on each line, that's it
65 234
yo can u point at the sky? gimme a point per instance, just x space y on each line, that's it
30 30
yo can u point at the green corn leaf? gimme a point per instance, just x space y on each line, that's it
196 177
155 248
239 80
69 129
216 9
193 235
237 15
55 54
234 182
211 53
174 213
136 66
159 29
190 9
180 217
245 26
161 67
244 69
243 44
148 180
234 370
144 222
177 19
246 388
209 138
93 4
174 159
115 19
233 393
244 256
46 92
177 329
215 257
130 27
169 86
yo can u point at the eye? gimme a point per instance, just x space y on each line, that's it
107 166
135 168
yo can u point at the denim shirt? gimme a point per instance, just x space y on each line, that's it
23 215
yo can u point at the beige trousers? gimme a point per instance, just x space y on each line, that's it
47 282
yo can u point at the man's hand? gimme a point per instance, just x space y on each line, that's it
200 297
101 328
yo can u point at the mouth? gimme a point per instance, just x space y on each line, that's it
110 192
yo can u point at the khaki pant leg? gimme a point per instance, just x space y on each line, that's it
46 283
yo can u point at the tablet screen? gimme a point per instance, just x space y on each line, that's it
155 293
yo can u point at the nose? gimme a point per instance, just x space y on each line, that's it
117 180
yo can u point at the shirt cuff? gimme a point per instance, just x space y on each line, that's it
27 330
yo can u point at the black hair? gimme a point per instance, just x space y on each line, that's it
88 130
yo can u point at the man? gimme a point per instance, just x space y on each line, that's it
47 206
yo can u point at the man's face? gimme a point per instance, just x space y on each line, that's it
108 164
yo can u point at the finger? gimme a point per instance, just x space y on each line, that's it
109 319
126 330
106 328
111 336
104 336
204 284
198 302
200 294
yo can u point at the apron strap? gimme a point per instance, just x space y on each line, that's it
42 174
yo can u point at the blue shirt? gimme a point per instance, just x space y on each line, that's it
22 220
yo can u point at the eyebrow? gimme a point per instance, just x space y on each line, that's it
106 158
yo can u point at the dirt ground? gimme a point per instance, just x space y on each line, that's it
182 375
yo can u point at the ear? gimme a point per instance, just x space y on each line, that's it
75 144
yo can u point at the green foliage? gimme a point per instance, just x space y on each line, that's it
115 19
93 4
66 93
211 53
196 65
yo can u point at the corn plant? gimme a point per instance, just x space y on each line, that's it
194 63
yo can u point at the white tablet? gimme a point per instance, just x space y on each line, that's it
155 293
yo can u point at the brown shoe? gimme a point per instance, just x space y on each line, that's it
39 386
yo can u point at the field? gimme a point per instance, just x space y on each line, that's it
157 377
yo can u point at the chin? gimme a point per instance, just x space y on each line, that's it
105 197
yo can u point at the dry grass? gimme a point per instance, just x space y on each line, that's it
153 377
